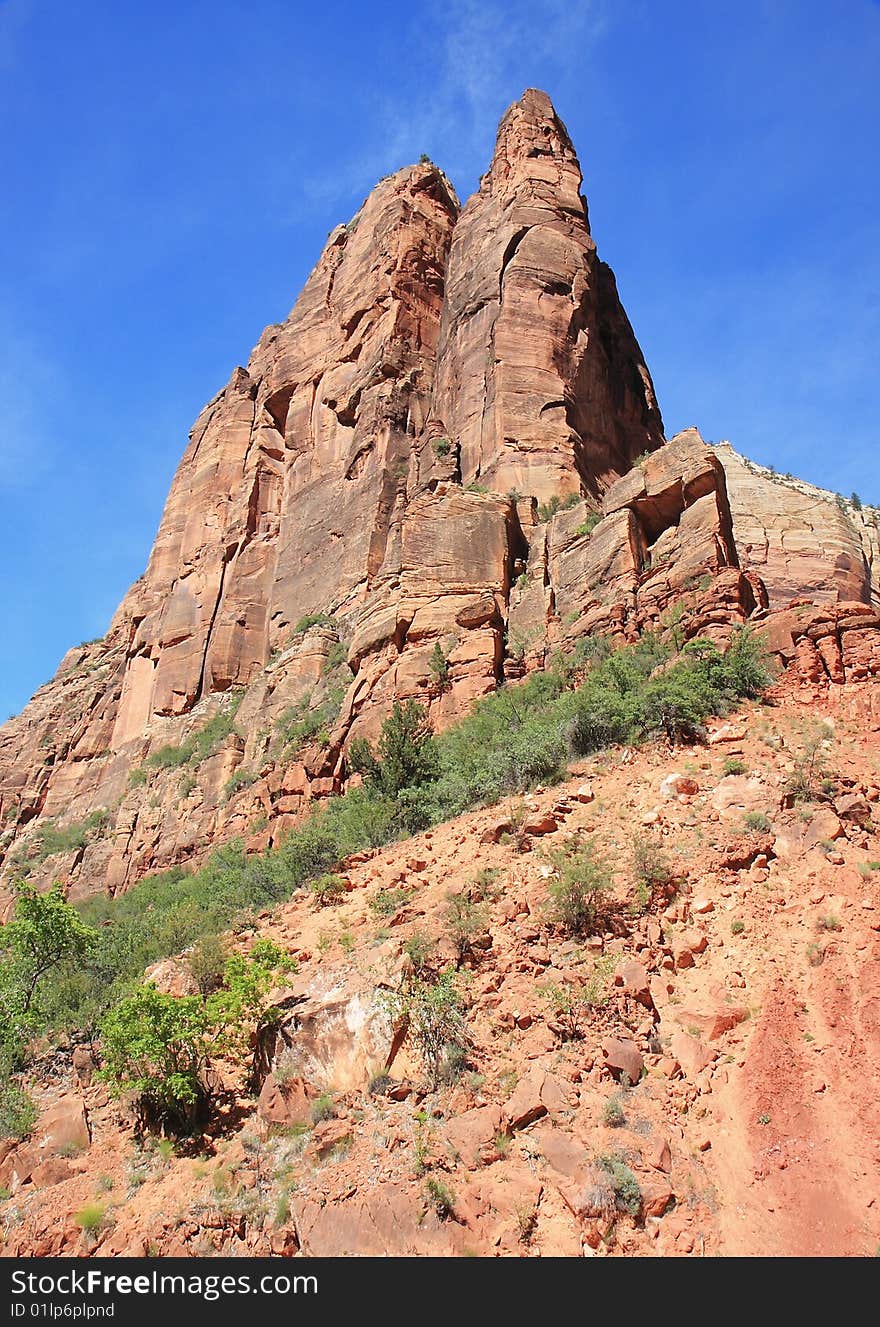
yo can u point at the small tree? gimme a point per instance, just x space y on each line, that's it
160 1047
406 755
44 933
242 1013
156 1046
439 666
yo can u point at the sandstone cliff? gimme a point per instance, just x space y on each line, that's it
804 542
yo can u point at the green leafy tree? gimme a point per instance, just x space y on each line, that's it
45 932
406 755
156 1047
159 1048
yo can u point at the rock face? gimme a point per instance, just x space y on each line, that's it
541 383
444 465
665 540
804 542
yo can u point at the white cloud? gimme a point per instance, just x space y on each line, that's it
470 59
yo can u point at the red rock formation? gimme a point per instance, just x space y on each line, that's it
540 383
803 541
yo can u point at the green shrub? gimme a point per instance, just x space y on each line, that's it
579 891
431 1014
612 1114
733 766
548 509
465 921
201 744
322 1108
571 1004
242 778
70 838
91 1217
757 822
18 1114
440 1197
313 620
627 1192
389 901
810 760
207 962
159 1048
418 949
327 890
156 1047
441 446
588 526
137 777
652 872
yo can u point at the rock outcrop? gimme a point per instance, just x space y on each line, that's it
804 542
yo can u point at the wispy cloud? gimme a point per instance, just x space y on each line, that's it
473 57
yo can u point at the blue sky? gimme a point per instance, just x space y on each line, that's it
170 172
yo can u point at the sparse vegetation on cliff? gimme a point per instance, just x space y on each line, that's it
511 741
201 744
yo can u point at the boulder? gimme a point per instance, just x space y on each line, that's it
623 1057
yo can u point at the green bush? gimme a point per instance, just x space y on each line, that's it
18 1114
322 1108
207 962
588 526
612 1114
548 509
389 901
156 1047
431 1014
652 872
313 620
159 1048
441 1197
733 766
327 890
201 744
465 921
242 778
579 891
627 1193
90 1218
